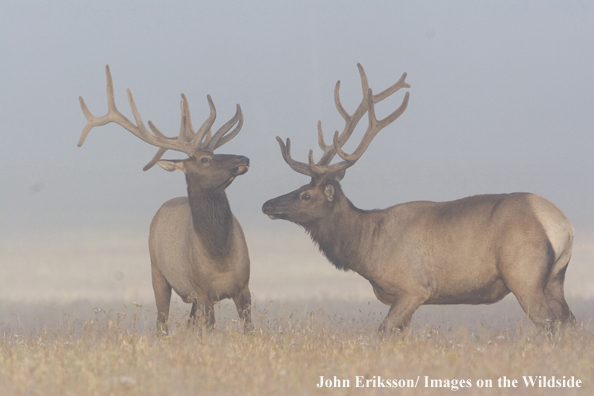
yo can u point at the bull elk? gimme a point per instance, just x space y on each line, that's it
474 250
197 246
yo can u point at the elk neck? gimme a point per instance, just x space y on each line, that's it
342 235
211 217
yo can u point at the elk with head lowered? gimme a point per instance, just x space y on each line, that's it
474 250
197 246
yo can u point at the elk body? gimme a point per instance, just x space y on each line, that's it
474 250
197 246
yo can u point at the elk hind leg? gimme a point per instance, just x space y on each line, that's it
162 291
534 302
554 289
526 279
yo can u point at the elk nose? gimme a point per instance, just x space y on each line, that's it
268 209
244 160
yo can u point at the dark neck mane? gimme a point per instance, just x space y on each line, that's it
339 236
212 219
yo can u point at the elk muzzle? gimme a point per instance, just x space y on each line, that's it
244 164
278 207
268 209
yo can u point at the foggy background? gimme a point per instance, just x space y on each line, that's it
502 100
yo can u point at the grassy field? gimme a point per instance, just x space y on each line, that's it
77 317
83 348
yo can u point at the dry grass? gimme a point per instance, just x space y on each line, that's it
322 323
84 349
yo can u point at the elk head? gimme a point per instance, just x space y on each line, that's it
316 200
208 170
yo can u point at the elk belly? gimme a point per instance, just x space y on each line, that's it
476 291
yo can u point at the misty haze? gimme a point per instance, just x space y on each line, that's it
501 101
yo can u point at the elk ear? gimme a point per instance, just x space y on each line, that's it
329 192
171 165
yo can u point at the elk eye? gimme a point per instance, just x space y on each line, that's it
205 160
305 196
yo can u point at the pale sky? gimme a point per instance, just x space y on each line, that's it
501 100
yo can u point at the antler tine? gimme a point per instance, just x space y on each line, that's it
185 137
185 132
161 150
139 130
374 127
381 124
367 105
364 82
199 139
90 117
144 133
233 133
320 167
186 142
389 91
329 151
351 121
321 142
297 166
113 115
188 131
221 137
334 169
339 107
156 158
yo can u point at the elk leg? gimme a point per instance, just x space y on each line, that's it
534 303
243 303
531 295
205 315
400 314
525 273
162 291
192 319
554 291
209 315
556 300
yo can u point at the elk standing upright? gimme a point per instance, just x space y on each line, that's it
474 250
197 246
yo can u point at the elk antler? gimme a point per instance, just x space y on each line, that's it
187 142
367 105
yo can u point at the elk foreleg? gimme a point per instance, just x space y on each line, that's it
400 314
243 303
162 291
